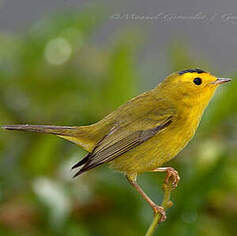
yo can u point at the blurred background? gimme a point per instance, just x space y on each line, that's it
71 63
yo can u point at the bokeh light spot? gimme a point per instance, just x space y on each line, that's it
58 51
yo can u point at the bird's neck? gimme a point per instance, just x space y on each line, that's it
187 105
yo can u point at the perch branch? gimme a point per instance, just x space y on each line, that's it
166 203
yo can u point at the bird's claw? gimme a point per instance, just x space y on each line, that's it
173 176
160 210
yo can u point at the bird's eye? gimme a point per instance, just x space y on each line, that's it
197 81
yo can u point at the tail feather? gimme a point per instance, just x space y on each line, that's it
46 129
83 136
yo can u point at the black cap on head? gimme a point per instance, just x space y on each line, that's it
199 71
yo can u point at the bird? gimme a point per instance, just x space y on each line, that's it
144 133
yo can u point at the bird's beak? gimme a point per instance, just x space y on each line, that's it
221 80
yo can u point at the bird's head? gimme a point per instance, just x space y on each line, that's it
192 86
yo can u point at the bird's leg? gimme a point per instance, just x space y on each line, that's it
157 209
171 173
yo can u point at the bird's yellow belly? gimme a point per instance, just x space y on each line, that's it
147 156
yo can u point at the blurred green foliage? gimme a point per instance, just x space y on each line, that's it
55 74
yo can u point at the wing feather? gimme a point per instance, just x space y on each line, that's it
110 152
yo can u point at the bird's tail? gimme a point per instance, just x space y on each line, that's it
84 136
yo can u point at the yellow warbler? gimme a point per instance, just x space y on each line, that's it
146 132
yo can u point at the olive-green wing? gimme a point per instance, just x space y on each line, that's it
120 140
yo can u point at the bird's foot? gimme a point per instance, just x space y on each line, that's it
172 176
160 210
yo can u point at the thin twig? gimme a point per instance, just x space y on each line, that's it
166 203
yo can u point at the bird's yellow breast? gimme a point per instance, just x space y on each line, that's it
162 147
